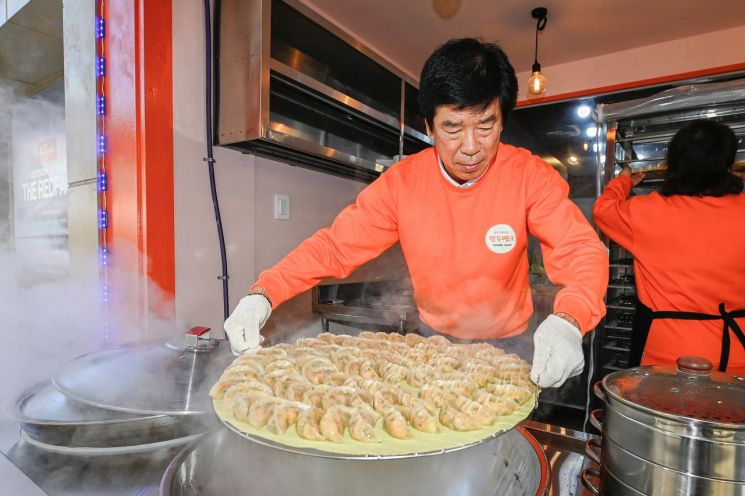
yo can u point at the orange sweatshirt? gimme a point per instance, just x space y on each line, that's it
689 255
466 249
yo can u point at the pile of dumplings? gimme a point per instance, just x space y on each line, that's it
331 385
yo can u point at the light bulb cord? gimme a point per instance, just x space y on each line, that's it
540 24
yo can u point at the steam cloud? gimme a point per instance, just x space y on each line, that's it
50 316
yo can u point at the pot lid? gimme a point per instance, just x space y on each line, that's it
43 404
690 388
156 378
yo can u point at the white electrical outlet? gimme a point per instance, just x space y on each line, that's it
282 207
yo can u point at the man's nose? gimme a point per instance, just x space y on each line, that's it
469 145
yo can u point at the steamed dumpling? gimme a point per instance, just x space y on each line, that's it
361 430
308 424
395 425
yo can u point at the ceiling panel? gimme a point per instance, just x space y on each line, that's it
32 54
407 31
43 16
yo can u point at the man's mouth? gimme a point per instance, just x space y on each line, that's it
470 167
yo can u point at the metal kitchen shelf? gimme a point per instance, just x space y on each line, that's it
616 348
623 302
632 160
621 265
651 137
612 367
647 181
608 326
618 341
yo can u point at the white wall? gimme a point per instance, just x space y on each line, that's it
696 53
246 185
80 128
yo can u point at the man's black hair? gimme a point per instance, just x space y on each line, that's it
468 74
699 161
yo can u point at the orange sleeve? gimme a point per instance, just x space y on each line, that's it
573 255
361 232
612 212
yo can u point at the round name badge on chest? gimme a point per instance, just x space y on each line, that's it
500 238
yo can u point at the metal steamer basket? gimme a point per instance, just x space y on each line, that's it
125 400
224 462
673 430
52 421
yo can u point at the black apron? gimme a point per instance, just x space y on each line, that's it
643 321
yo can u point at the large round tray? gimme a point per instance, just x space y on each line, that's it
421 444
225 463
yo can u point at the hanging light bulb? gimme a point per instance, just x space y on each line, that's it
537 81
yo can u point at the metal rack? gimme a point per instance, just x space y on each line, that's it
386 305
636 133
621 304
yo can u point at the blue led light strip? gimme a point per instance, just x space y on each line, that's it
102 180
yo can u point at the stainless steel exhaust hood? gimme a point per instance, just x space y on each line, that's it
294 87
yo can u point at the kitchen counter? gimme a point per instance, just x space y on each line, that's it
35 471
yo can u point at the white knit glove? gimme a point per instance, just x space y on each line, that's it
558 354
243 325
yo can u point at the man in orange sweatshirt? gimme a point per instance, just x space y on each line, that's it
462 212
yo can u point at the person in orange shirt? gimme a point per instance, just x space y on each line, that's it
688 244
462 212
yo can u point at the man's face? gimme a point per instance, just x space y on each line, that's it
466 140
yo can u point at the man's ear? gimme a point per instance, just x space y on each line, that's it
429 131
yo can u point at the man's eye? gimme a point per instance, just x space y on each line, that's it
486 129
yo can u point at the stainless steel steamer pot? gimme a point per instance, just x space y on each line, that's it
672 430
127 398
50 418
224 462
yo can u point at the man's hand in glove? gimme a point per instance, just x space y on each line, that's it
243 325
558 352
